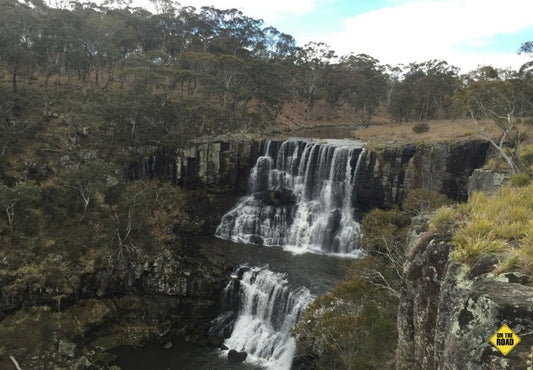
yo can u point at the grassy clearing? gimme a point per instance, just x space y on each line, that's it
438 131
501 224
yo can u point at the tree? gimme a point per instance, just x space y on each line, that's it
16 35
228 68
17 203
86 182
313 62
359 80
490 99
424 91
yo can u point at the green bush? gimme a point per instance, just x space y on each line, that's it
423 200
421 127
520 180
352 327
383 227
443 220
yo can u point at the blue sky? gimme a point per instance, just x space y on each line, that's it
465 33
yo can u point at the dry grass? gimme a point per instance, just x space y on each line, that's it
439 130
382 131
499 224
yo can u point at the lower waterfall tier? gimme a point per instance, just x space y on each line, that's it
263 308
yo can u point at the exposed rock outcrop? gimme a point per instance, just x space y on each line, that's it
388 174
447 314
128 300
216 162
486 181
236 356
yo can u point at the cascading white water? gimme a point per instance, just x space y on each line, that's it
267 309
302 198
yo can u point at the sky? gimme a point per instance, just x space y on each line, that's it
465 33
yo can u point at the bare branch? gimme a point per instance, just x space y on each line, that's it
15 362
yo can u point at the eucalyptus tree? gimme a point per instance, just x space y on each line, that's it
498 97
358 80
18 25
18 206
314 61
424 91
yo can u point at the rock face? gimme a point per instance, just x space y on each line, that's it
387 175
236 356
222 162
127 301
486 181
447 315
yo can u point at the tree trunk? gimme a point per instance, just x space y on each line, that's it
15 71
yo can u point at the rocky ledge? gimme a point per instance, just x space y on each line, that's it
448 311
72 319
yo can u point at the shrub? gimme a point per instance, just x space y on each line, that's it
526 155
492 164
354 326
520 180
380 228
421 127
443 220
423 200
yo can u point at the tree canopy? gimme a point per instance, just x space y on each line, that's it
163 78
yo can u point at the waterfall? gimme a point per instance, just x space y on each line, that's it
301 198
267 308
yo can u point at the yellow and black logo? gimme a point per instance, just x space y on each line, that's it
505 339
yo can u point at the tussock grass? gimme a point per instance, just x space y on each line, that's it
500 224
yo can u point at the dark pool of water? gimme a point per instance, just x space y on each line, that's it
319 273
182 356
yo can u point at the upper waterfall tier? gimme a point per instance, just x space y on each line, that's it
301 198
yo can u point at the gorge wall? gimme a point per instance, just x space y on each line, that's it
448 311
61 316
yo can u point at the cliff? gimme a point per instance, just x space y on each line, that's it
221 162
449 311
69 314
386 174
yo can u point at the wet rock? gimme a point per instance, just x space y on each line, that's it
236 356
167 345
214 340
278 197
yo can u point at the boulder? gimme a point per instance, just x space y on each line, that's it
236 356
278 197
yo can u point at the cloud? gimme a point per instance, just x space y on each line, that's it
423 30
